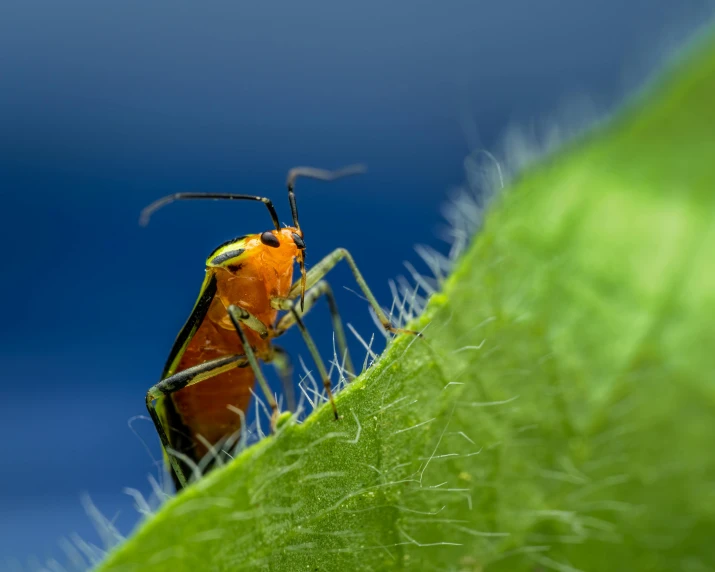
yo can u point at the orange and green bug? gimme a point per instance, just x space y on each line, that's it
213 364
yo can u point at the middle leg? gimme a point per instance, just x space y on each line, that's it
283 366
241 317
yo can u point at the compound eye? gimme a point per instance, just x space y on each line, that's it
298 242
270 239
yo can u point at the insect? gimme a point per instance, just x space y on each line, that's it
214 362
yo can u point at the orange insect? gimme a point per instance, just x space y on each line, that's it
213 364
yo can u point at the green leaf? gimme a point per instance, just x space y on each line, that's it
559 414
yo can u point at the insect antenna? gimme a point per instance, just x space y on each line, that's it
163 201
321 175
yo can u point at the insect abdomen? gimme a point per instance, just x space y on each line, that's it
204 408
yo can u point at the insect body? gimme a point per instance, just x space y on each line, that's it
213 364
246 272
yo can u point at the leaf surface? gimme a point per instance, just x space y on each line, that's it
560 413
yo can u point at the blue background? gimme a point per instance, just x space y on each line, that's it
106 106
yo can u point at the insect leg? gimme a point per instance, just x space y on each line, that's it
284 367
178 381
313 349
319 271
252 322
280 359
322 288
238 315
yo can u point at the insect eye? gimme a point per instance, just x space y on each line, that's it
270 239
298 241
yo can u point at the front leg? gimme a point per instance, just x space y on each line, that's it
239 317
319 271
322 288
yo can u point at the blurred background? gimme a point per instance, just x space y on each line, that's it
106 106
